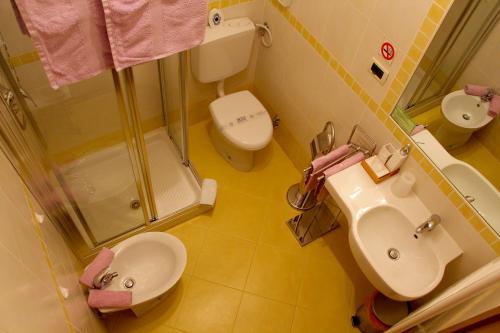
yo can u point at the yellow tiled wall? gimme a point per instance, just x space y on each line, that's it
309 77
35 263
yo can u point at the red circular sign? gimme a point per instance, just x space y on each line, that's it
387 51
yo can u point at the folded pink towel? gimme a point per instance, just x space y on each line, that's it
356 158
101 261
70 37
320 163
144 30
475 90
494 108
417 129
109 299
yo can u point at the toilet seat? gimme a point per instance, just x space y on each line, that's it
242 120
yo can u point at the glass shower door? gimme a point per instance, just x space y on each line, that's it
172 85
80 128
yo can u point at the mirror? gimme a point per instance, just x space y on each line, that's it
454 125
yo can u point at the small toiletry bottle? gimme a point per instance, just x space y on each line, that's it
398 158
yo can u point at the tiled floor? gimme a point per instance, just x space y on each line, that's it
245 271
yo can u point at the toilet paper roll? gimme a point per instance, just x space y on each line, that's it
215 17
403 185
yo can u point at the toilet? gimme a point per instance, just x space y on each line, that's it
149 265
241 124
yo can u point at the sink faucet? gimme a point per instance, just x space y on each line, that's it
429 224
488 96
102 280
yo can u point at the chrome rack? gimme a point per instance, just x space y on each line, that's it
317 218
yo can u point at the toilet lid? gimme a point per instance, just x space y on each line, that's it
243 120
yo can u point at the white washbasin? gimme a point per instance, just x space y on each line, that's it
465 111
154 260
380 221
480 193
463 115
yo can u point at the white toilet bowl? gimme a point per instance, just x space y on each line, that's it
241 126
152 262
241 123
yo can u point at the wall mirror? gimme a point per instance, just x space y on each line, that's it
457 130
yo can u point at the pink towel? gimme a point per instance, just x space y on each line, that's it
356 158
417 129
475 90
70 37
144 30
101 261
109 299
320 163
494 108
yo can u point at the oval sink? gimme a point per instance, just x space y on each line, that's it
465 111
401 265
382 226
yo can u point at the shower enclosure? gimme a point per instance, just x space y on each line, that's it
105 158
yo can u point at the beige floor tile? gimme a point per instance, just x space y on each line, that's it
208 308
225 260
193 237
276 232
326 286
239 215
275 274
156 320
313 321
257 314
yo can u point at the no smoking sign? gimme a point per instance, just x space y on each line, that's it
387 51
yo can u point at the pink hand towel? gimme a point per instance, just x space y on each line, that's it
143 30
70 37
494 108
101 261
475 90
109 299
356 158
417 129
321 193
320 163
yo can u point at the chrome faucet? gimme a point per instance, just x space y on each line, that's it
102 280
429 224
488 96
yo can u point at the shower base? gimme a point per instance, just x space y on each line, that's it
104 189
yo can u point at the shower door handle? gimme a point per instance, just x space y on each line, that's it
9 99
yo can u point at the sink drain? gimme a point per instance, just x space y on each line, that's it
129 283
393 253
466 116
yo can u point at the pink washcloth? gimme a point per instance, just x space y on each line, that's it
141 30
417 129
356 158
101 261
109 299
320 163
475 90
494 108
69 36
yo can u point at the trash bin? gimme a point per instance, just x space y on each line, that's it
379 313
